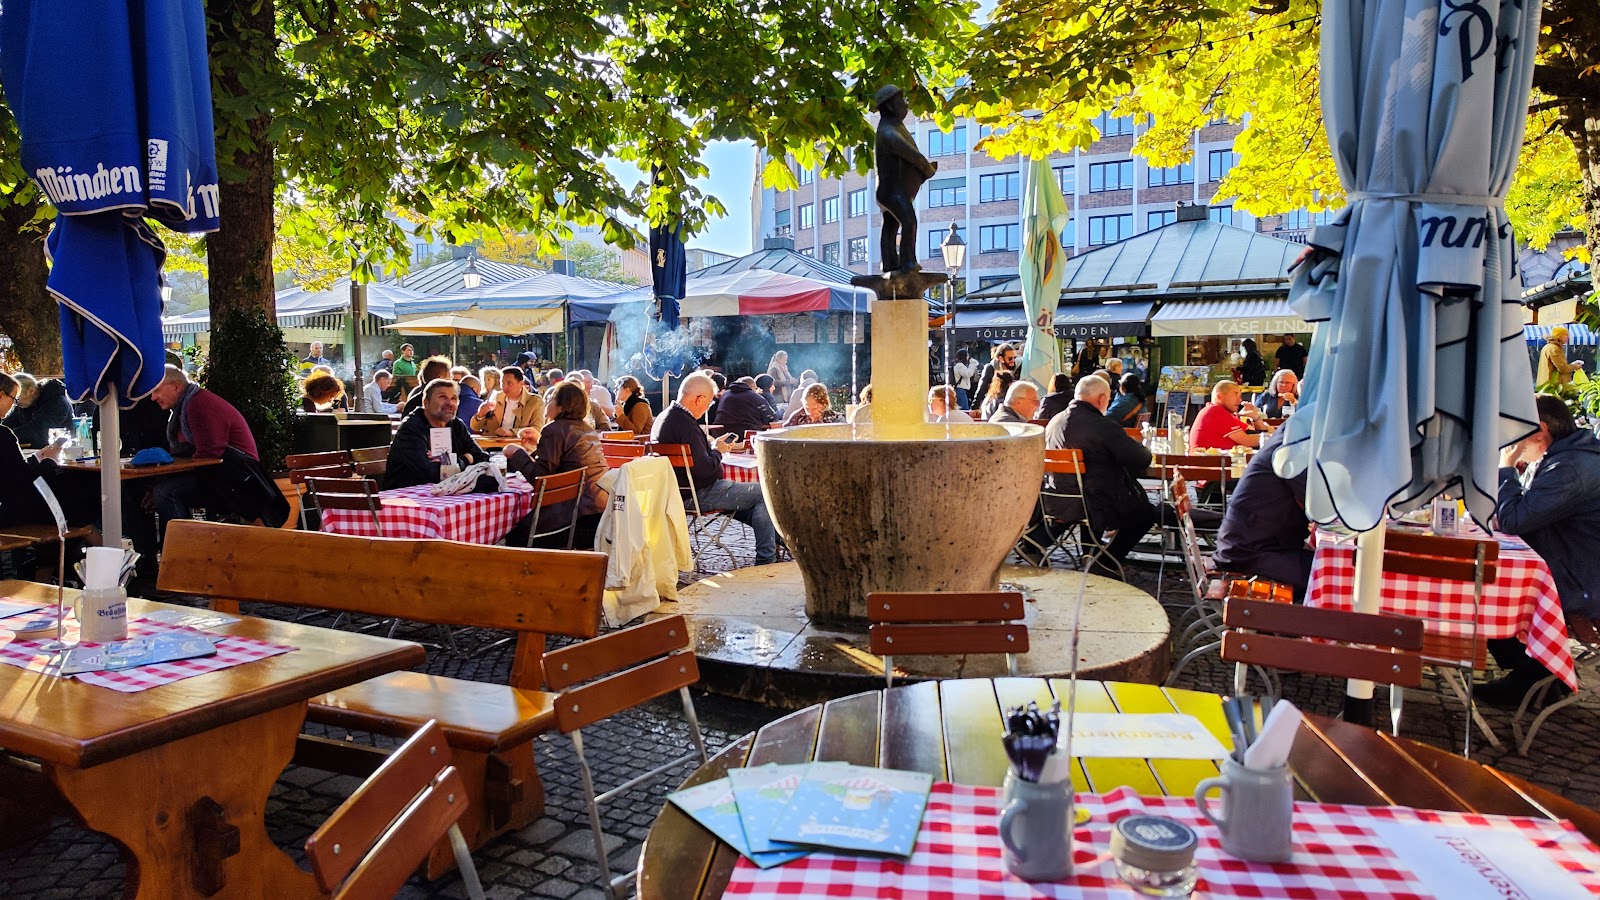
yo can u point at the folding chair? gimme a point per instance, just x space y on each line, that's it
358 494
551 491
377 838
620 453
370 462
617 672
617 436
706 524
1381 648
1451 646
1587 661
329 464
906 623
1066 486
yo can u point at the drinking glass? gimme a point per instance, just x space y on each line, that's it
122 654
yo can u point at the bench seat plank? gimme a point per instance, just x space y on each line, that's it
475 715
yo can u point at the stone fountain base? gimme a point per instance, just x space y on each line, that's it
755 642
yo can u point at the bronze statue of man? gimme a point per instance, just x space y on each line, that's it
901 171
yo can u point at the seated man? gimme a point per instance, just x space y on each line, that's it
434 367
743 408
1550 497
40 406
512 408
1112 464
1022 401
205 426
373 393
1265 527
679 424
1220 426
471 393
411 461
942 406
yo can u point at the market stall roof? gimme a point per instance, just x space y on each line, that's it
779 260
445 277
1193 257
1577 335
759 292
1076 321
1245 316
382 299
1576 282
542 291
599 310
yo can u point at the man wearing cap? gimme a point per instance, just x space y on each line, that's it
1553 365
901 171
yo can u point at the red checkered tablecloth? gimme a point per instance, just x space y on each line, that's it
1521 603
740 467
414 512
1337 854
231 651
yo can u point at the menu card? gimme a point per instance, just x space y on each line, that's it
157 648
713 805
1477 863
439 444
763 793
1143 736
11 606
856 808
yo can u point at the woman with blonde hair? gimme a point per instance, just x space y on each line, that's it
633 410
815 408
782 381
490 377
321 392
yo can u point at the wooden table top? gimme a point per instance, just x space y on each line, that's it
64 721
491 442
128 471
951 730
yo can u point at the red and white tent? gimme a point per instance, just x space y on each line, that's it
760 292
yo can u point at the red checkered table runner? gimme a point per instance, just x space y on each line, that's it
414 512
740 467
1522 602
1337 854
231 651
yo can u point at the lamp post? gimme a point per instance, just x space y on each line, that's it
954 251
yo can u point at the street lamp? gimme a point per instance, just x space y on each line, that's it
954 251
470 279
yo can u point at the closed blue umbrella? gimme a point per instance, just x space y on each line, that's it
669 270
1417 373
113 102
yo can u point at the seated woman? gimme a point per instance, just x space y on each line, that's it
815 409
634 410
1129 403
567 443
321 392
1281 395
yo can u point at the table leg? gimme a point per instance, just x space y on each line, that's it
190 815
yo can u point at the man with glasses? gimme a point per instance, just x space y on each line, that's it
680 424
1004 363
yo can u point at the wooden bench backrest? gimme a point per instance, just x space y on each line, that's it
1318 640
328 464
623 669
534 592
1445 558
917 623
369 454
373 842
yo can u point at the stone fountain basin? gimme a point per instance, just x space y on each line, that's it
936 510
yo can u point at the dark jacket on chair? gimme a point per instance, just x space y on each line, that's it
1112 462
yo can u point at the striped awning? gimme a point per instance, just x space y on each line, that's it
1576 334
1243 316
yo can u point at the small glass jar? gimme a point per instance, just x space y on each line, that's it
1155 855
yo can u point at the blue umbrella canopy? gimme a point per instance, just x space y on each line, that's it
1418 373
113 102
669 267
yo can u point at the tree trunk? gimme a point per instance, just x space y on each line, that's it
1581 122
29 314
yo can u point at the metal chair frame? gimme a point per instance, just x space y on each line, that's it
704 525
550 490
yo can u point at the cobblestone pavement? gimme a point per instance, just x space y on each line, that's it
554 856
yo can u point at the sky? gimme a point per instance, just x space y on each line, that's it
732 166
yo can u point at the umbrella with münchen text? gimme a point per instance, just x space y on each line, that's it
113 102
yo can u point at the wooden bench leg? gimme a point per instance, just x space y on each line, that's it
504 793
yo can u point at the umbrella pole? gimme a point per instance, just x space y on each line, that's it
1368 599
110 472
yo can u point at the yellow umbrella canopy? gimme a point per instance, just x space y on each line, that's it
452 324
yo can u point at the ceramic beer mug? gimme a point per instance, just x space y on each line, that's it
1036 828
1257 821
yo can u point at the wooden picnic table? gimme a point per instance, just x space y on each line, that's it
179 775
493 442
951 730
129 471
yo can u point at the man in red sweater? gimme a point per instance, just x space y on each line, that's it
203 426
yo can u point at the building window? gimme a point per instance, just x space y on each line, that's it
858 250
950 143
1222 162
806 176
780 221
1110 229
1222 215
1109 176
1069 235
987 130
988 281
808 251
1000 186
1113 126
1067 180
947 192
808 216
935 238
830 253
830 210
858 203
1301 219
1154 220
1179 174
998 238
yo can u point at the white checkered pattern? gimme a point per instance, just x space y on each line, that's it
417 513
231 651
1521 602
740 467
958 855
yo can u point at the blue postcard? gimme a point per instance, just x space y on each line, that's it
856 808
713 805
763 793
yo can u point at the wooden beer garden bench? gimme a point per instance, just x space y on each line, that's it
490 727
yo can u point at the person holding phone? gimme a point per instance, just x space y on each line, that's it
21 502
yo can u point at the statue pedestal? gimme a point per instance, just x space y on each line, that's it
900 285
